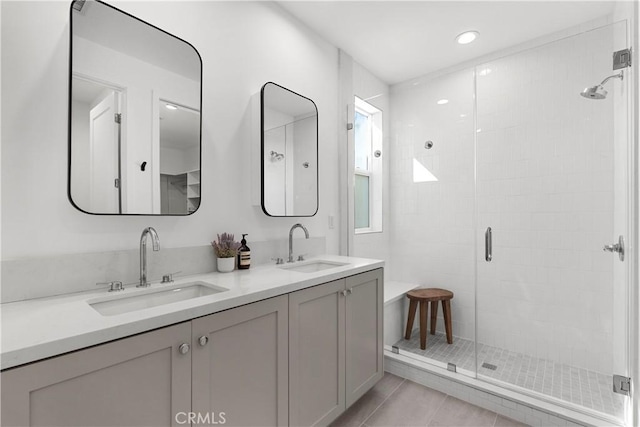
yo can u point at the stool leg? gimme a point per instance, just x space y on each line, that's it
413 305
446 311
434 315
423 325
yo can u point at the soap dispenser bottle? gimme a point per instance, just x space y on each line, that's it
244 255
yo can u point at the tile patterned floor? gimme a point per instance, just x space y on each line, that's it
398 402
580 386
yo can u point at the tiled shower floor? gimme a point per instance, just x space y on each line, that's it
580 386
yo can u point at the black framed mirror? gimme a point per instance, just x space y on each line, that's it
289 152
135 97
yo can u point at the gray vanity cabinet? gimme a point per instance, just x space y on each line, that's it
240 361
364 334
298 359
316 354
137 381
335 346
225 368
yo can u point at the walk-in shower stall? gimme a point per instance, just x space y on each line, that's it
524 217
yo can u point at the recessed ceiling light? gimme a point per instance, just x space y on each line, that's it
171 107
467 37
443 101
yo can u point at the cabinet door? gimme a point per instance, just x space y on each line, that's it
240 373
364 335
137 381
316 354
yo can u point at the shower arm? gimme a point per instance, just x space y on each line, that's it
617 76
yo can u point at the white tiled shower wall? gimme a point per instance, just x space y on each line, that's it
544 185
432 222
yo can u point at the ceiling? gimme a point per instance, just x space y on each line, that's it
119 31
400 40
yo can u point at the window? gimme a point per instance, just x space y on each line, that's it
367 167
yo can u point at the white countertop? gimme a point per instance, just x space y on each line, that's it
45 327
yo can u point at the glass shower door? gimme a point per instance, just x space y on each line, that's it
432 208
553 187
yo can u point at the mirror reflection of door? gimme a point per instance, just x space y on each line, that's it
95 141
179 134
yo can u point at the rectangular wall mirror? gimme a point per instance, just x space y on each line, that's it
134 115
289 153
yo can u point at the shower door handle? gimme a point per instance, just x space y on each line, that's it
488 245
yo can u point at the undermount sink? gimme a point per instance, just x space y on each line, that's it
313 266
153 297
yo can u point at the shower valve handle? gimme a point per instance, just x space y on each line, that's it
616 247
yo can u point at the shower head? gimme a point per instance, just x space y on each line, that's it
594 92
598 91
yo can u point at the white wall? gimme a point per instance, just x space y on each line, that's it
192 158
241 44
175 161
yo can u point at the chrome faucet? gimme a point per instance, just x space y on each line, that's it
306 235
143 253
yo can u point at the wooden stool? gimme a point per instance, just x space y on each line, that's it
423 296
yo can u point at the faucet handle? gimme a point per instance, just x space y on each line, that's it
116 285
301 257
168 278
278 260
